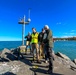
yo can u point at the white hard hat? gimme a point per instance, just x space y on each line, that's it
46 26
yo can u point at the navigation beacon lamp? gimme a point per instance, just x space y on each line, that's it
23 22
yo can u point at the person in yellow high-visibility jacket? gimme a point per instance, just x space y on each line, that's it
35 46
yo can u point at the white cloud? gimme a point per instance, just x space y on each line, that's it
72 33
72 30
54 36
66 36
58 23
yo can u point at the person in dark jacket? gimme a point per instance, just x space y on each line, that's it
28 40
41 45
48 41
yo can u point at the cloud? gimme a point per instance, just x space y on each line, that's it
69 34
72 30
58 23
66 36
54 36
72 33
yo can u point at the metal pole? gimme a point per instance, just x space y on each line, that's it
24 26
23 30
22 34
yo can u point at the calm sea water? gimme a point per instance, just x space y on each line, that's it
9 44
65 47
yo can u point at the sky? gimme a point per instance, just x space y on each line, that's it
59 15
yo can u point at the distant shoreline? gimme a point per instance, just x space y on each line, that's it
67 39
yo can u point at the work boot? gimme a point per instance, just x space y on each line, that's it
32 61
46 61
38 61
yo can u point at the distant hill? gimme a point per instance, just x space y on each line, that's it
68 38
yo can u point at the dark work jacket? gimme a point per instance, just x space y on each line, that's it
48 38
40 37
28 37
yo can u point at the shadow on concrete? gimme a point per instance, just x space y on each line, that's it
3 59
11 56
8 73
42 71
57 74
15 55
26 61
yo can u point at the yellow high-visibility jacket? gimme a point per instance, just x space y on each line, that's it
34 38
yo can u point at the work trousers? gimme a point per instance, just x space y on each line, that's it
35 49
41 50
28 45
49 55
